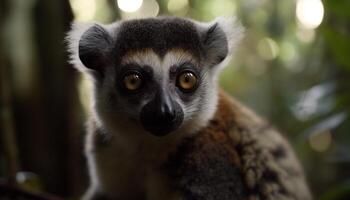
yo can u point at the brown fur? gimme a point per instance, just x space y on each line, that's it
234 139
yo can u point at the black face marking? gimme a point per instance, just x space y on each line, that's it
159 34
177 70
145 72
161 115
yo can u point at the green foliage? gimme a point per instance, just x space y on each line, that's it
340 191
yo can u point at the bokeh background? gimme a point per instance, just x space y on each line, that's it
293 68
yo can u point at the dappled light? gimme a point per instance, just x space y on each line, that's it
84 10
309 13
149 8
129 5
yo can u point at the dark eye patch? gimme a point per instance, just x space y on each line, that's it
178 69
175 70
145 72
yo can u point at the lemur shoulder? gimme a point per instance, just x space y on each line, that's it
160 127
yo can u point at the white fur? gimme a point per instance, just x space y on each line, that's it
73 38
233 29
234 32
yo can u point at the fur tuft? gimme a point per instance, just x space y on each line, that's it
72 39
233 30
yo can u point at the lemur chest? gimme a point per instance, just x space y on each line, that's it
133 174
207 161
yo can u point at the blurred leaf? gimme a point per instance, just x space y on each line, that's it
315 101
339 192
327 124
340 7
339 44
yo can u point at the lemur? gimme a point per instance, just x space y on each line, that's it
160 127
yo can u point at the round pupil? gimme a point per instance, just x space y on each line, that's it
132 82
187 81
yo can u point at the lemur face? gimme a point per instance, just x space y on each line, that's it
162 88
158 74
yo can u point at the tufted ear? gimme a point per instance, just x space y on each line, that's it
220 38
94 47
89 47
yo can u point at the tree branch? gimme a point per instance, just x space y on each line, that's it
14 192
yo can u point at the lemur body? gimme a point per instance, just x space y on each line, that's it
160 127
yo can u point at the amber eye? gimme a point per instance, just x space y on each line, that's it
187 81
132 82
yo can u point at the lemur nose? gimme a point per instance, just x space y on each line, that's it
161 115
166 109
167 112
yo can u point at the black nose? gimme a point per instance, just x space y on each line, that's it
165 111
161 115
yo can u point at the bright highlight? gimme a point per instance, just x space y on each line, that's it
84 10
310 13
321 142
129 5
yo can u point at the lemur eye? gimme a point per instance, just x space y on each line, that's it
187 81
132 81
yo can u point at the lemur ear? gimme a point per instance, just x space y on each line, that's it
89 47
94 47
220 38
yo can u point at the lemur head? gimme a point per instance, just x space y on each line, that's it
155 74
